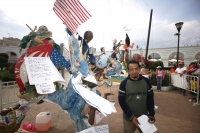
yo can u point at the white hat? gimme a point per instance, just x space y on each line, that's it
158 67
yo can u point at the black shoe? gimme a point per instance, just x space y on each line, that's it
105 78
40 102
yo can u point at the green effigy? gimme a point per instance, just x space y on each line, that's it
35 38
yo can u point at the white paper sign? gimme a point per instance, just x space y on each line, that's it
145 126
98 116
45 88
102 129
89 130
42 73
96 129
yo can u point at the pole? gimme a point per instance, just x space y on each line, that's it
62 52
0 95
147 46
177 54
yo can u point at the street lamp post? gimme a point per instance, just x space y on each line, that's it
178 26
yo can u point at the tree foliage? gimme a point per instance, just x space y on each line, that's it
4 55
3 60
11 69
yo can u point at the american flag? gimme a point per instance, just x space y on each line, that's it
71 12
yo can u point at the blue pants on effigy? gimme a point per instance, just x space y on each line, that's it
117 69
73 103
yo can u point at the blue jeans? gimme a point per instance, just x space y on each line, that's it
159 83
113 72
182 91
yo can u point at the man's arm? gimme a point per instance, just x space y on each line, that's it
121 99
150 100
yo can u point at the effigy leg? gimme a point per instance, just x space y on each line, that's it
73 103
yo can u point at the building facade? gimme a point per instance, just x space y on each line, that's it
187 54
10 47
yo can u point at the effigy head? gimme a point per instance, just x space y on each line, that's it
43 28
88 36
42 34
114 41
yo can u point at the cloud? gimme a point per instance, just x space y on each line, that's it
108 19
162 34
9 25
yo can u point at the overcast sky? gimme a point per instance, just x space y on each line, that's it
107 21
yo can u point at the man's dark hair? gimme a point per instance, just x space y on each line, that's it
88 33
133 62
101 49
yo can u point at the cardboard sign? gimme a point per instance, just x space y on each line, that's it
42 73
102 129
96 129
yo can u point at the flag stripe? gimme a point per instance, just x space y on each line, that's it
80 12
84 10
64 20
65 12
64 17
71 12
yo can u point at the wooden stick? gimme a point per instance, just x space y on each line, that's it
30 28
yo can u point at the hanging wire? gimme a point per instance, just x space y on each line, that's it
124 18
139 19
110 16
147 4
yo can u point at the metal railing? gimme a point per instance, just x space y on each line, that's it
8 94
187 82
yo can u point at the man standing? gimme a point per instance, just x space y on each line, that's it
136 98
181 70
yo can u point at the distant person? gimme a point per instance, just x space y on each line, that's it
160 76
172 70
115 48
191 68
102 50
136 98
197 72
193 84
181 70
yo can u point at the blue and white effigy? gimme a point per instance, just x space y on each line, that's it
76 96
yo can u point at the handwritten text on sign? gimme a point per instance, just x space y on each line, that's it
42 73
39 70
97 129
45 88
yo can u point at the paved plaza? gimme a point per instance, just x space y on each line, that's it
175 114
